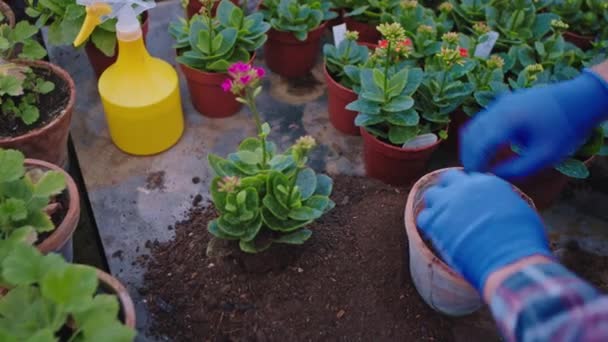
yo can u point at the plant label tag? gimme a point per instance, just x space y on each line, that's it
339 33
421 141
484 49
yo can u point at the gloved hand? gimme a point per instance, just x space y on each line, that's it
548 122
479 224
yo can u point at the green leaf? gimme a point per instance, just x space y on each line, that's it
399 104
44 335
24 30
215 230
70 287
399 135
32 50
280 225
249 157
11 165
29 114
4 43
295 238
105 41
407 118
307 183
305 214
50 184
379 78
22 265
324 185
573 168
13 209
318 202
10 85
397 83
222 167
364 106
45 87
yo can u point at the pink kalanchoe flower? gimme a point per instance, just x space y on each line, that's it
245 79
239 67
227 85
261 72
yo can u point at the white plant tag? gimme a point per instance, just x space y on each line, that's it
421 141
339 33
484 49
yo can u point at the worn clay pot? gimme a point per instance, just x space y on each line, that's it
112 286
367 32
194 6
289 57
50 142
207 95
60 240
583 42
99 61
394 165
441 287
8 13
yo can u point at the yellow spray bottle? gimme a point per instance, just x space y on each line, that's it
140 93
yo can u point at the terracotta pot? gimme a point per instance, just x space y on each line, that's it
441 287
338 97
367 32
583 42
207 95
111 285
289 57
8 13
99 61
60 240
194 6
50 142
394 165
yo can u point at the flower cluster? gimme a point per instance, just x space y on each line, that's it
559 25
351 35
495 62
229 184
481 28
242 75
532 71
409 4
393 32
446 7
449 56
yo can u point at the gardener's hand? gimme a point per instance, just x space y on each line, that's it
548 122
479 224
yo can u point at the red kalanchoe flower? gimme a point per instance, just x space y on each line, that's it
463 52
383 44
407 42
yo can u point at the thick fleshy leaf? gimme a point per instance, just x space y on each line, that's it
279 225
573 168
306 182
324 185
295 238
215 230
399 104
305 214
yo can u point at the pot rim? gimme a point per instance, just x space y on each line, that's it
580 36
291 38
65 230
367 135
333 81
185 68
68 107
126 303
8 12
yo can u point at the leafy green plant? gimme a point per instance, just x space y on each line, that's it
214 43
411 15
585 17
348 53
263 196
296 16
371 11
25 195
46 296
488 80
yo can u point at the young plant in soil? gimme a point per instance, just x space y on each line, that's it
349 54
20 86
48 299
211 43
297 16
371 12
26 198
585 17
264 196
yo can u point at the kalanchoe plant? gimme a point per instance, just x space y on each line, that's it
585 17
348 54
297 16
20 87
371 11
214 43
263 196
45 294
468 12
488 80
411 15
25 197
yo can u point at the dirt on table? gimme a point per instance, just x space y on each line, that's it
351 282
591 267
155 180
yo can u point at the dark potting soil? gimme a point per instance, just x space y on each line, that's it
50 106
350 281
591 267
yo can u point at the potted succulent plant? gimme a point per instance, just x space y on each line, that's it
363 16
208 45
338 60
65 18
295 38
586 18
194 7
441 287
36 97
38 201
47 299
265 197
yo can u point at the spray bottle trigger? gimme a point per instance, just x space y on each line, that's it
94 14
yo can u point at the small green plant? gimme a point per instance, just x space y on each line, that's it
24 196
585 17
348 54
488 80
297 16
213 43
411 15
46 295
371 11
263 196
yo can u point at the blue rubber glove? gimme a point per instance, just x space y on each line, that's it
548 122
479 224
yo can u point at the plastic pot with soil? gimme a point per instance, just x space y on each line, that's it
45 139
441 287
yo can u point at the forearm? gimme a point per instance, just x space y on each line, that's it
538 299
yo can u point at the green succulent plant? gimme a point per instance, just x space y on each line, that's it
488 80
297 16
585 17
371 11
347 54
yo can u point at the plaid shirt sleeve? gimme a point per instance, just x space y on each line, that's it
546 302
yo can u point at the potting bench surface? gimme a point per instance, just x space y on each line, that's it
136 200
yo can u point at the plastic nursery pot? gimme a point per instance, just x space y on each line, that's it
60 239
99 61
289 57
8 13
194 6
111 285
458 119
583 42
207 95
338 97
394 165
50 141
441 287
367 32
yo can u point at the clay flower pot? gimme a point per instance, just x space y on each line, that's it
99 61
367 32
441 287
583 42
394 165
8 13
60 239
111 285
289 57
194 6
207 95
49 142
